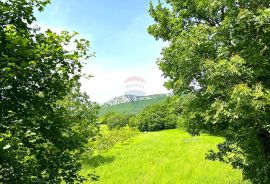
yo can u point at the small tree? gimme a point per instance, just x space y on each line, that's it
115 120
132 121
156 117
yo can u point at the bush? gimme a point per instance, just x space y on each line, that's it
132 121
109 139
115 120
170 121
156 117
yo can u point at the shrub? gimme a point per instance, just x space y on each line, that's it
156 117
132 121
170 121
109 139
115 120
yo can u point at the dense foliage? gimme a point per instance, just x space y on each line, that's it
115 120
156 117
107 140
44 119
160 116
219 56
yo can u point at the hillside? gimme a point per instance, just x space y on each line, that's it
163 157
133 106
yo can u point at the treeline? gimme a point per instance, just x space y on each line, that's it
164 115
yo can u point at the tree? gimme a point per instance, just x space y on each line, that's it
156 117
115 120
218 55
43 117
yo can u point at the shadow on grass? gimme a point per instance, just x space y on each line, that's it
98 160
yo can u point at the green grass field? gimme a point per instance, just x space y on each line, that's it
164 157
132 107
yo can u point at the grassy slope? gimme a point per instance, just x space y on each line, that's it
132 107
162 157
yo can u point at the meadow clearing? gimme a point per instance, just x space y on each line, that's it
162 157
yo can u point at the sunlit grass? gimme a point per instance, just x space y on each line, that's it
163 157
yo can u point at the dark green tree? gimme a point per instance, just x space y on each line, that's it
219 57
156 117
115 120
44 120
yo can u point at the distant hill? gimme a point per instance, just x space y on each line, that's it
129 104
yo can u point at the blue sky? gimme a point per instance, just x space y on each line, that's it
118 35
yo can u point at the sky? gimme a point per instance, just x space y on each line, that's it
118 34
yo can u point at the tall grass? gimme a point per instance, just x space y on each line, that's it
165 157
107 140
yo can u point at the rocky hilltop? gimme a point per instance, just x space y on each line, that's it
131 98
